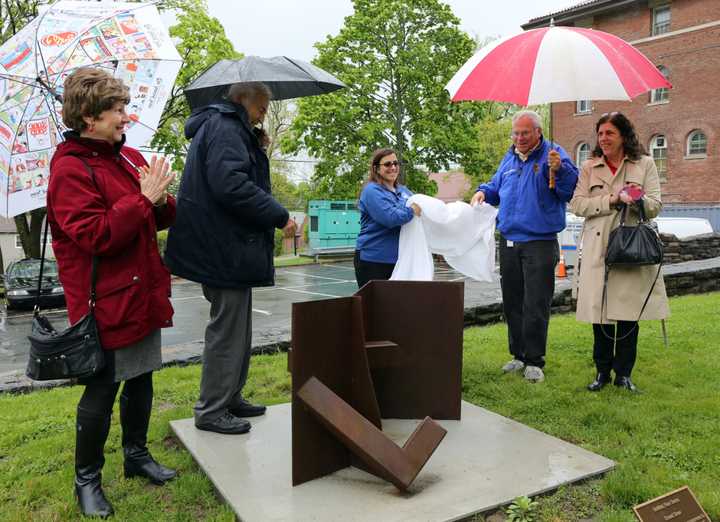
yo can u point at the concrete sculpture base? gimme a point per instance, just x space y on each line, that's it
485 460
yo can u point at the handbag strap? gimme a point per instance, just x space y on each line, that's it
604 300
641 207
95 259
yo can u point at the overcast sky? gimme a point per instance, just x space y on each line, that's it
291 27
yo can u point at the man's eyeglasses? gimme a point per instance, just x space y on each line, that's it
389 164
521 134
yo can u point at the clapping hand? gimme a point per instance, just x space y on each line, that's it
155 179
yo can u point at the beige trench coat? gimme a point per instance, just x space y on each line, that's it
627 287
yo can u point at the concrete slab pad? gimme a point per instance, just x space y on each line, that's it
486 460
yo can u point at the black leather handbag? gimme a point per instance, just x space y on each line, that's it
630 246
72 353
634 245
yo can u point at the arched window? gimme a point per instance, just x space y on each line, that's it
658 151
697 143
582 153
660 95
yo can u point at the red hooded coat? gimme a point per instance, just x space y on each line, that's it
109 218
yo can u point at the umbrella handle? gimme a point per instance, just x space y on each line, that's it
551 180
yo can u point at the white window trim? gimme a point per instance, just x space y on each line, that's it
661 174
577 153
696 155
654 17
589 110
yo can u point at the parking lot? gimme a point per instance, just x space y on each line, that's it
271 310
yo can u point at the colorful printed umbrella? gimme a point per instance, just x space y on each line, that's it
127 39
556 64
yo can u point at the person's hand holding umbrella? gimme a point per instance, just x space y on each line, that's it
554 162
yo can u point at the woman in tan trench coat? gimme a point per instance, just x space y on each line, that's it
618 161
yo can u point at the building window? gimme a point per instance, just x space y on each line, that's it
583 107
697 143
658 151
661 20
582 154
660 95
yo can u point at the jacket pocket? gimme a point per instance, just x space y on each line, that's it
252 257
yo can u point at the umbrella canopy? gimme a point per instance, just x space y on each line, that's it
286 78
556 64
126 39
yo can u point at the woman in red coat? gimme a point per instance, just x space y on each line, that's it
104 200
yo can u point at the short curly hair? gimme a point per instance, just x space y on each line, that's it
88 92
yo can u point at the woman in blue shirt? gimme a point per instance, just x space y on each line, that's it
383 211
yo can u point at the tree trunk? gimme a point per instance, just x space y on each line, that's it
30 234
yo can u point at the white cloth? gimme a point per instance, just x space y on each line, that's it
463 235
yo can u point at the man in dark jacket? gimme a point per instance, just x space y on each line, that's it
223 238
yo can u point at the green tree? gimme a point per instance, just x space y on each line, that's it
200 39
395 56
278 120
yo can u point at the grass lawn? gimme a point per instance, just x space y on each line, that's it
662 439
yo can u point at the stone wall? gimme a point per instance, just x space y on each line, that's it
705 246
680 283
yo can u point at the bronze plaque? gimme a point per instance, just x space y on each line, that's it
677 506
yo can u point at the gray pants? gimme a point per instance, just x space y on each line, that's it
226 356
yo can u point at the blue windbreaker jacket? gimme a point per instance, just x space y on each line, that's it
382 213
528 209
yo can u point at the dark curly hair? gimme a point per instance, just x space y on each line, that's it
631 145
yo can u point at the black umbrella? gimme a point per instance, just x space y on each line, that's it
286 78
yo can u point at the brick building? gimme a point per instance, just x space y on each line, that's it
680 127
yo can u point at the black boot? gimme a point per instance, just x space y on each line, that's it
90 437
600 381
135 420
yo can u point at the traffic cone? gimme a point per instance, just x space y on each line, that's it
561 272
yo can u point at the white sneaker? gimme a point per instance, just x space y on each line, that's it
513 366
534 374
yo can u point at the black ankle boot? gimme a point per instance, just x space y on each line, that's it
135 420
91 434
139 463
600 381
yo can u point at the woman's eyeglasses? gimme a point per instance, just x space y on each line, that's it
389 164
611 114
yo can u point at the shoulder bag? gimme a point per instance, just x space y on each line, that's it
72 353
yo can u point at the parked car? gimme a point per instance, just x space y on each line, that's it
21 279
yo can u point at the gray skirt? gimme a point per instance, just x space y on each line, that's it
130 361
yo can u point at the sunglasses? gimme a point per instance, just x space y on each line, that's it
611 114
389 164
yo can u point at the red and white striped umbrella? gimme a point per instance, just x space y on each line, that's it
556 64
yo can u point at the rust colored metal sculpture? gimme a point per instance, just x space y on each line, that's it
392 350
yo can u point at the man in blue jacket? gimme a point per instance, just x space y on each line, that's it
223 238
529 217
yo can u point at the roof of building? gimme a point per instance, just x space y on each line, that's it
582 9
7 226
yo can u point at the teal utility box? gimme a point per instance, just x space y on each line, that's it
333 224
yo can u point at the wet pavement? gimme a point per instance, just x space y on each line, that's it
271 313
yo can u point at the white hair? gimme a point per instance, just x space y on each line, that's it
248 91
534 116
